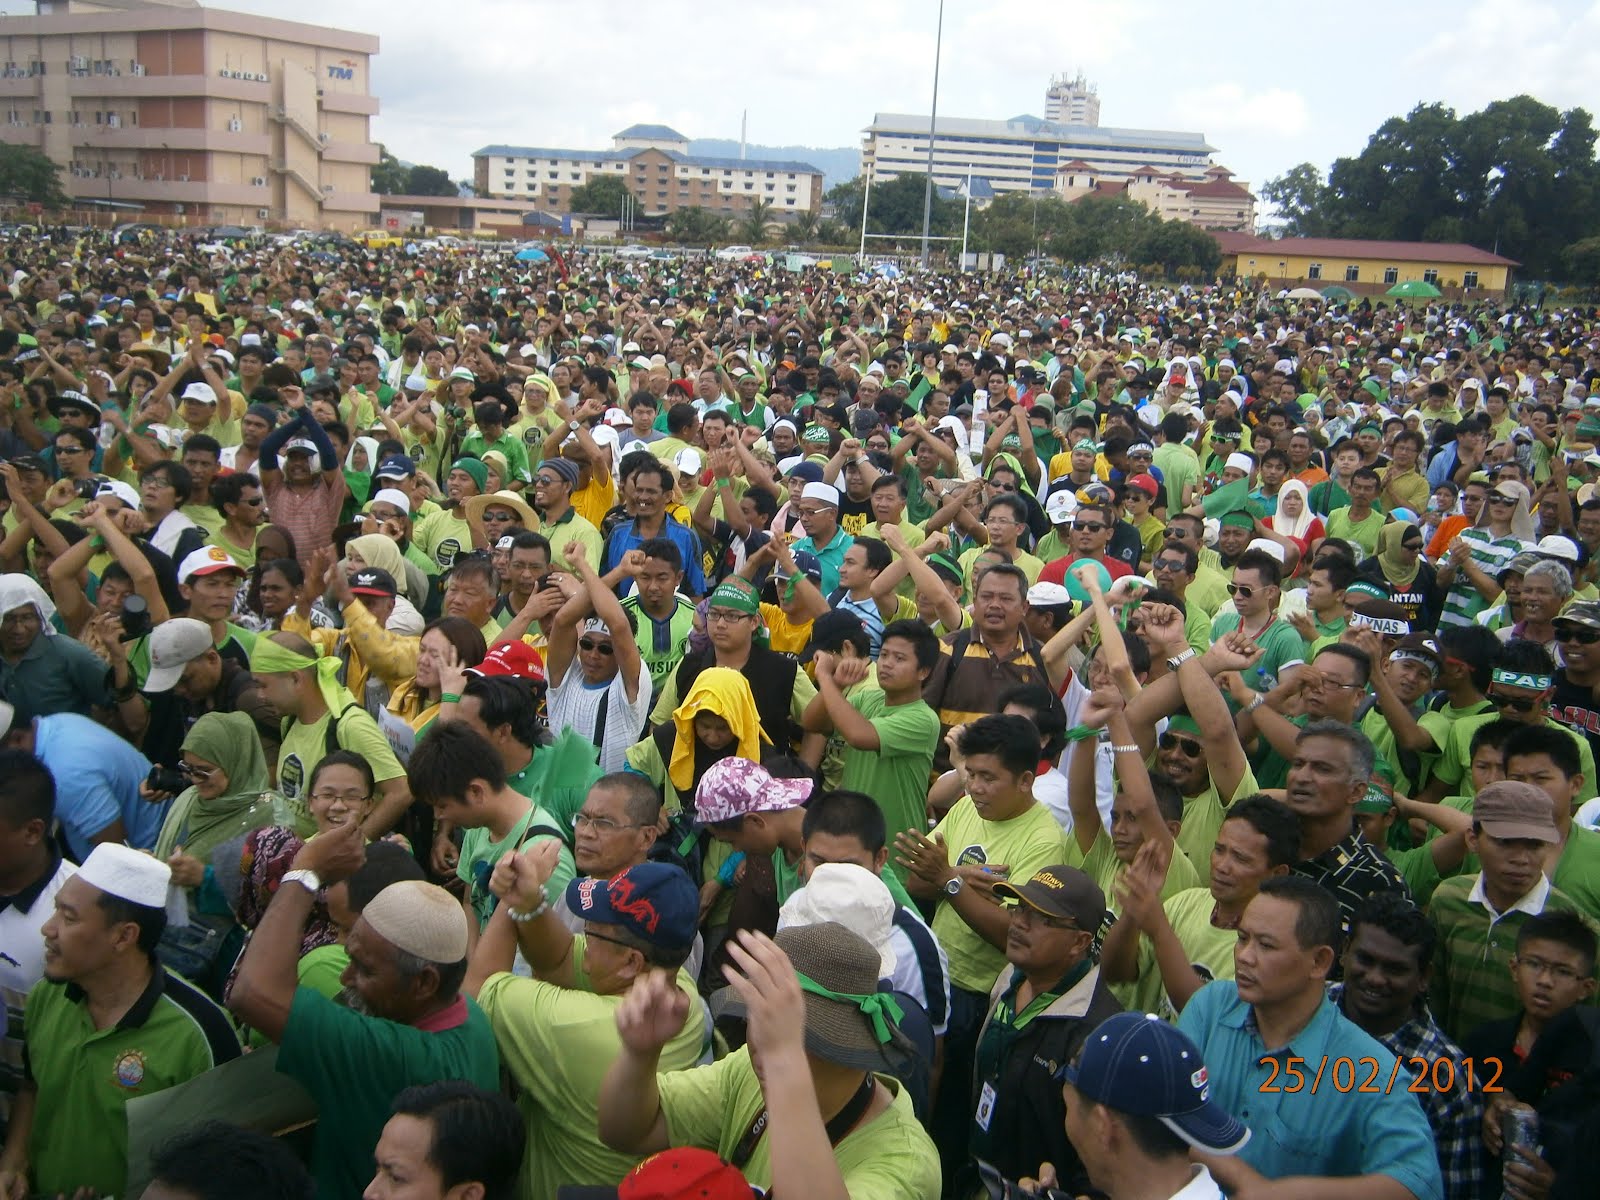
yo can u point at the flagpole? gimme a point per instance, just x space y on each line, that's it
966 219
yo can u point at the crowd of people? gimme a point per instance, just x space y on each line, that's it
676 728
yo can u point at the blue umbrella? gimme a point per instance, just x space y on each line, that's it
532 254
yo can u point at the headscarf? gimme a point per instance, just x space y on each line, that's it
725 693
273 658
1390 557
361 481
18 591
379 551
199 825
1293 527
1007 459
1521 517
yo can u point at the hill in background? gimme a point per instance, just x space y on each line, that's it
837 165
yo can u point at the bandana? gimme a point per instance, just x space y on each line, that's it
1086 444
1408 656
737 595
1537 683
1392 626
1375 801
269 658
879 1007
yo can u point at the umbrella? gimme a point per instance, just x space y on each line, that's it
1415 289
1305 294
1335 292
532 254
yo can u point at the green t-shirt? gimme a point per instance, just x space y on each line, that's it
1408 770
1179 467
85 1076
354 1065
1025 844
208 518
320 969
557 1043
896 774
480 852
889 1157
1203 815
1363 533
1455 764
442 536
1284 647
1578 869
1102 865
304 746
1210 949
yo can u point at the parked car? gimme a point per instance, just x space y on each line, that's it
634 251
735 253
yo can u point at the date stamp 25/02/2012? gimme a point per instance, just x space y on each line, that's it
1373 1076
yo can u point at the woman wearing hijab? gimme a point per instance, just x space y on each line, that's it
230 795
377 550
1294 522
1408 579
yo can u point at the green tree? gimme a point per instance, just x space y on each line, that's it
1102 229
696 227
1299 195
1177 246
1582 262
757 222
1016 222
602 196
389 176
27 174
429 181
895 206
804 227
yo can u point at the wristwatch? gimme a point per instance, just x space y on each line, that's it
1177 660
306 879
572 426
954 885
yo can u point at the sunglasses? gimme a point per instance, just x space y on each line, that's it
591 646
1089 526
1515 703
1575 633
1169 564
1189 746
1495 499
1241 589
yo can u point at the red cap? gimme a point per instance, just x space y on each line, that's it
512 658
682 1173
1145 483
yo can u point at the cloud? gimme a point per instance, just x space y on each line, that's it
1492 51
1223 111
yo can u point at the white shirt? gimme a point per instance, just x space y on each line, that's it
1201 1187
573 705
22 966
1532 903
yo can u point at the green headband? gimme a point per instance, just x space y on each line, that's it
1537 683
1239 519
1375 801
741 598
270 658
879 1007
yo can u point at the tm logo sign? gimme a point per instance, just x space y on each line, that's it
345 68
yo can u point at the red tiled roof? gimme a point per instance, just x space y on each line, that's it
1219 188
1076 164
1455 253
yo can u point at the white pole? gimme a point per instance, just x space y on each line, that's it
866 198
966 219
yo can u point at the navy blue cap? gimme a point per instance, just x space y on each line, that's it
654 901
809 471
396 466
1136 1063
806 563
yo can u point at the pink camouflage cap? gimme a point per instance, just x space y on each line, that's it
736 786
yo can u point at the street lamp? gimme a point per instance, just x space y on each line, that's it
933 121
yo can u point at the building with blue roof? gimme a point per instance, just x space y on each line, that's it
655 164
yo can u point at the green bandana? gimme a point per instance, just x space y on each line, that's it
1537 683
1375 387
879 1007
737 595
1240 519
1375 801
815 434
270 658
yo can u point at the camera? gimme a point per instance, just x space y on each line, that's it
86 489
168 779
455 412
135 618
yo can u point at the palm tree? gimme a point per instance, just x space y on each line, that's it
757 221
805 227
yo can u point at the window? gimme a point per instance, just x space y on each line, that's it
1352 274
1430 276
772 187
555 174
749 187
1314 271
577 176
1469 279
1391 275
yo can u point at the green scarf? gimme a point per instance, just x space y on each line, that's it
1395 568
230 741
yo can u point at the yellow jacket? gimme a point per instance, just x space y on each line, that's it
372 649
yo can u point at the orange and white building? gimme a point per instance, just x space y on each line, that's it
1214 201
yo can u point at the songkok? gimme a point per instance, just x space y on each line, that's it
130 875
420 919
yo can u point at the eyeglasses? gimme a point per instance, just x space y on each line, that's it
255 502
1560 972
1089 527
1029 915
1577 633
813 512
601 825
499 517
1414 547
351 798
1333 685
592 646
1514 703
1188 745
1170 564
1497 499
601 937
724 616
1243 590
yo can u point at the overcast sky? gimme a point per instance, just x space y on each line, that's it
1269 85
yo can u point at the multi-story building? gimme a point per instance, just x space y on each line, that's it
210 116
1215 201
1025 153
655 163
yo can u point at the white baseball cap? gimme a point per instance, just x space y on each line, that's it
207 560
122 491
688 462
200 391
1059 507
174 644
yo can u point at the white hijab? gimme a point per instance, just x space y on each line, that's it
1293 526
20 591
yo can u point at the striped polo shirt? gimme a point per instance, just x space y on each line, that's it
1463 603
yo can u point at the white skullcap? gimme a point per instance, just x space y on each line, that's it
1267 544
395 497
855 898
1241 461
825 493
419 919
136 877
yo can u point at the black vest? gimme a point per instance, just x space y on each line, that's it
771 679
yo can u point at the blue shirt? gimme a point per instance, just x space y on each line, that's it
624 538
830 556
97 782
1443 466
1333 1132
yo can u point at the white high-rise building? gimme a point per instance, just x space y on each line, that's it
1072 101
